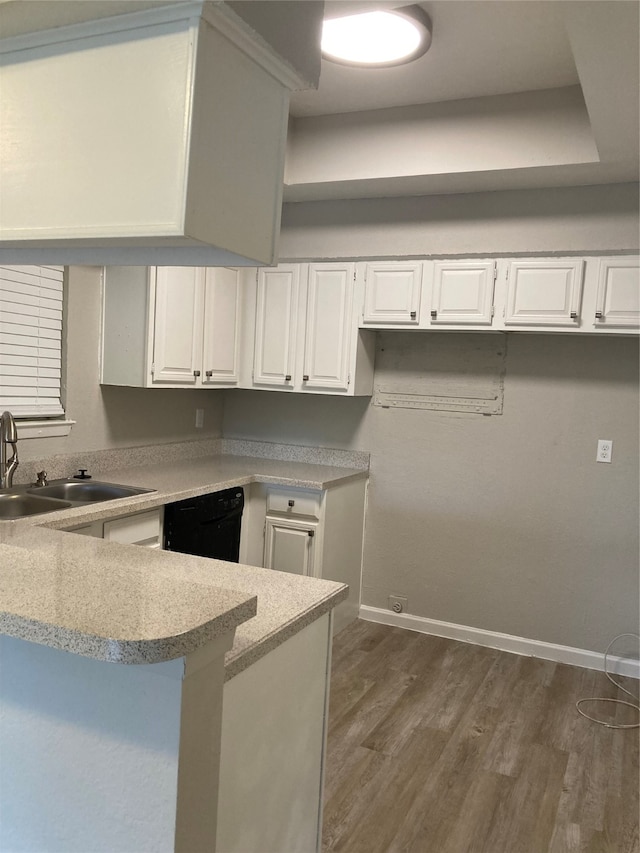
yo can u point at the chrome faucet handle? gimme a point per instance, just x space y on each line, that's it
41 479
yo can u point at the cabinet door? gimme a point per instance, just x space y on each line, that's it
177 327
392 294
547 293
276 315
462 292
329 325
221 326
618 299
289 546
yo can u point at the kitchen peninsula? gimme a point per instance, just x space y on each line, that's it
112 757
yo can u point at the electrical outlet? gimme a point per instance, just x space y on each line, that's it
397 603
605 447
199 418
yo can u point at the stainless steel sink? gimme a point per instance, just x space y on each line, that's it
79 491
21 505
21 501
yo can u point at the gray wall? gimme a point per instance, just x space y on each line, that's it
563 219
504 523
108 417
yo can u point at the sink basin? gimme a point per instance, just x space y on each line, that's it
21 505
83 491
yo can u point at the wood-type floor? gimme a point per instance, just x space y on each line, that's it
437 746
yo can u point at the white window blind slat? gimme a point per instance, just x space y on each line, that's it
31 303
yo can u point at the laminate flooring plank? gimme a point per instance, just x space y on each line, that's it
517 728
435 704
348 797
355 725
468 833
403 780
558 719
420 653
350 638
450 783
437 746
524 822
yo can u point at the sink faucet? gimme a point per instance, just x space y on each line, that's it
8 436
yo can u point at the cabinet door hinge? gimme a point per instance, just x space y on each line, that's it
349 379
153 369
495 272
493 311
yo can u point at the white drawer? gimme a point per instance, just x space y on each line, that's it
140 529
294 502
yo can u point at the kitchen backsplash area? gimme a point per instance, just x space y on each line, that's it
98 461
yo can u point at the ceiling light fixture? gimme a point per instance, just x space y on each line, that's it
377 39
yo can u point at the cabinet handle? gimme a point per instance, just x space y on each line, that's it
434 314
209 373
196 373
413 315
311 534
598 315
287 378
305 378
573 315
291 503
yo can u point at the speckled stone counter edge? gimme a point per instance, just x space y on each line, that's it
237 662
127 651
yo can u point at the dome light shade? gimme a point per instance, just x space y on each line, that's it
377 39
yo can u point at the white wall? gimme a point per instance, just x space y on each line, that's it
488 134
108 417
504 523
571 219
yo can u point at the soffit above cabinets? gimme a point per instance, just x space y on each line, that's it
156 134
510 95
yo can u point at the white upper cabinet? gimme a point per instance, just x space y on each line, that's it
220 352
177 328
179 114
618 294
462 292
170 327
544 292
276 326
306 331
393 292
329 329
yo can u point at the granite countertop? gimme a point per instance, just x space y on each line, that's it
130 604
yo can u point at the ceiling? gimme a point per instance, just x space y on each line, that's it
511 94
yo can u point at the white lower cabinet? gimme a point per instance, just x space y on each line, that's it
306 336
140 528
289 546
143 528
309 532
171 327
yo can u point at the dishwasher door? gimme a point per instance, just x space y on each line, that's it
206 526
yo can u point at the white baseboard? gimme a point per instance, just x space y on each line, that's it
504 642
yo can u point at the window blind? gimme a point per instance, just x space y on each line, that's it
31 340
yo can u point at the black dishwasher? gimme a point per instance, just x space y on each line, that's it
207 526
